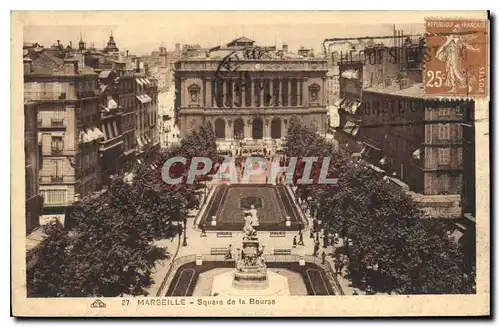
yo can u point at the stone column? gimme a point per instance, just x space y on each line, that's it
228 130
322 91
305 93
248 127
280 89
243 90
184 98
261 93
271 92
208 92
252 94
299 92
289 92
233 84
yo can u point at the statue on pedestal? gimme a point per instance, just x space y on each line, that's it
253 213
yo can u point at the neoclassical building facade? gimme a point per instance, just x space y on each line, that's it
249 94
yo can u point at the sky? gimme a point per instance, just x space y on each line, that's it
143 32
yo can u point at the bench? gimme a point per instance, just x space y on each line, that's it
224 234
282 251
218 251
277 234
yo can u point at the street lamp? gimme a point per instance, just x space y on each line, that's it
184 241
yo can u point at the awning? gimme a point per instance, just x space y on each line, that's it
139 81
371 146
84 138
350 74
147 138
144 140
139 141
146 81
104 74
103 88
339 102
112 104
98 133
350 105
416 154
46 219
456 235
144 98
351 128
383 160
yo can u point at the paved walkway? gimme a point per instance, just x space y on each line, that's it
196 244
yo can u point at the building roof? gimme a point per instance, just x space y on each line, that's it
46 63
242 39
414 91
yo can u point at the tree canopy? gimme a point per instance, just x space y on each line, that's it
111 250
385 228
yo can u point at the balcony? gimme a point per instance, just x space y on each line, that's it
87 94
57 122
56 179
44 95
56 152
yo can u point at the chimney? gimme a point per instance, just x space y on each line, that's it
126 53
71 44
28 65
177 48
71 66
285 48
137 65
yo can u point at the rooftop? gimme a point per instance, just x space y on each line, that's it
413 91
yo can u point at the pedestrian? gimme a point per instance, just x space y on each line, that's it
185 221
301 238
325 241
316 248
180 229
203 232
311 234
317 237
323 258
295 241
229 255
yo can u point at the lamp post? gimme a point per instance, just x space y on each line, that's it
184 241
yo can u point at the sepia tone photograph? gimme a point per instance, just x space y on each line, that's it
262 163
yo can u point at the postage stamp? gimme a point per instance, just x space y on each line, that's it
248 163
458 57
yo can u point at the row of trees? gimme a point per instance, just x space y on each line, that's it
389 245
111 251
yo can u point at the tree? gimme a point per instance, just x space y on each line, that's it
49 276
393 247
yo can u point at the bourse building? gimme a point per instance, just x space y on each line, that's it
249 94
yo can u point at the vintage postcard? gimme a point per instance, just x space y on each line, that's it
250 163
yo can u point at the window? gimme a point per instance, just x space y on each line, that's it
444 182
57 144
194 91
444 112
55 196
444 157
314 93
443 132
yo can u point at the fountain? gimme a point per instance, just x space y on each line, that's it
250 276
